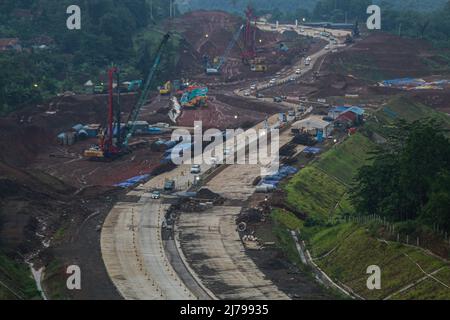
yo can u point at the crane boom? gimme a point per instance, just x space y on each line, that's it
230 47
216 68
130 125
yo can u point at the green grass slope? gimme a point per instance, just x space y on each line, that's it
16 281
320 190
345 251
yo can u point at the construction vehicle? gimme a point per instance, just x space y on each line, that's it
166 89
258 68
114 139
215 68
249 51
349 39
99 89
132 86
194 96
258 64
107 147
169 185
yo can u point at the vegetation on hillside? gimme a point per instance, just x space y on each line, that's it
416 152
321 189
108 34
16 281
346 250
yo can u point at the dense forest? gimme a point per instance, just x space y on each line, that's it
289 6
55 59
409 179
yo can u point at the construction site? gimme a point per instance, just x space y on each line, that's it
86 177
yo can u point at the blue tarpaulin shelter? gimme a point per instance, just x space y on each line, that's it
312 150
275 179
133 181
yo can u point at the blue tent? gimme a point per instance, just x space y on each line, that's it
312 150
132 181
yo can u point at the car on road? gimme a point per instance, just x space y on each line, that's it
327 48
169 185
196 169
226 152
273 81
259 95
156 195
298 71
277 99
247 93
253 87
292 79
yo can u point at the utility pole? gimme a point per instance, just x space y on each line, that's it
172 8
151 9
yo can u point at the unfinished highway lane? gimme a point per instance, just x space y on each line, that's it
215 252
133 248
134 256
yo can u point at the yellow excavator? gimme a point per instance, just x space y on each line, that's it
166 89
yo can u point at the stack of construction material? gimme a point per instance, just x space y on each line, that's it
270 183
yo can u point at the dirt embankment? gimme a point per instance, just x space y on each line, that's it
29 132
210 32
356 69
53 224
383 56
228 112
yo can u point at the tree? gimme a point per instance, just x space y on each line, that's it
405 177
437 210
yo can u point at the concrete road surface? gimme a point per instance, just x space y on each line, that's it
134 256
214 250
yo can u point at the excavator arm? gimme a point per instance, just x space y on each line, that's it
130 125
